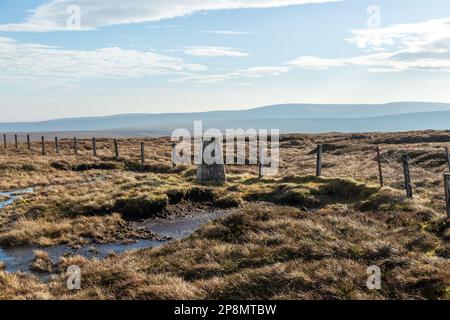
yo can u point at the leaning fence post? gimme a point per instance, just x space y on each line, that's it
56 145
448 157
43 145
16 143
4 141
380 170
406 173
94 146
447 195
142 154
75 149
319 161
28 142
116 149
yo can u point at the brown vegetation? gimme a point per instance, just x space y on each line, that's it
293 236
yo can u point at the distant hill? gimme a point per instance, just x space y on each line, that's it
307 118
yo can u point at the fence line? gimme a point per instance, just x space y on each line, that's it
408 185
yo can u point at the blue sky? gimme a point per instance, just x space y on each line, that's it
196 55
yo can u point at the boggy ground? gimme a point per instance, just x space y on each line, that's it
293 236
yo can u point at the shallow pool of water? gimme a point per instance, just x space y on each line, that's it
20 258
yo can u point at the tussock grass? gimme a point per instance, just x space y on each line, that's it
74 232
292 236
274 252
42 262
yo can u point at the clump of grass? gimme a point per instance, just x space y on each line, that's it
42 262
2 266
67 261
175 196
229 201
388 199
347 189
161 168
21 286
200 195
65 165
73 232
310 192
141 207
32 231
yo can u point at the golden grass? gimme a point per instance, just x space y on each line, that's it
293 236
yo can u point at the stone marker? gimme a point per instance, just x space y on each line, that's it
212 169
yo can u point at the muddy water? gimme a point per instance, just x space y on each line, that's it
20 259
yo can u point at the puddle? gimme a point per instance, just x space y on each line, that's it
11 196
20 259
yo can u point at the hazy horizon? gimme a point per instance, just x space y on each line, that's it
87 116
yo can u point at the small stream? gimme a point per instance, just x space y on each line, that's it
20 258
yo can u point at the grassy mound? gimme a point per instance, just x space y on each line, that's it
68 166
141 207
312 192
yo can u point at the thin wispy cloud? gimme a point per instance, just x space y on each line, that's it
29 59
254 72
211 51
416 46
53 15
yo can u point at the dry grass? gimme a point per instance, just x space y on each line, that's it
42 262
274 252
293 236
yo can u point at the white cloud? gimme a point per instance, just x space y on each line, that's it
19 59
316 63
255 72
53 15
209 51
417 46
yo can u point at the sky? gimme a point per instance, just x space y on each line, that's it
70 58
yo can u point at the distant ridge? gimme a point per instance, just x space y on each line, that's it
289 118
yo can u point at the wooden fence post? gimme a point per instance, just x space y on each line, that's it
448 157
4 141
116 149
75 148
447 196
142 154
56 145
174 145
260 161
319 160
43 145
380 170
406 173
28 142
94 146
16 142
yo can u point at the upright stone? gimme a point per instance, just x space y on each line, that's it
212 169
